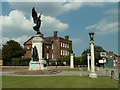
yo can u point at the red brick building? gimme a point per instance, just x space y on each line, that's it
54 47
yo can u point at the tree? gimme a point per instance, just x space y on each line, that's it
78 60
11 49
97 51
65 59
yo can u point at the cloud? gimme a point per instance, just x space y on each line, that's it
53 8
47 8
16 25
51 24
21 39
107 25
112 11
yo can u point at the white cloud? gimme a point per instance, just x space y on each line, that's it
53 8
107 25
21 39
50 24
91 26
47 8
112 11
104 27
16 25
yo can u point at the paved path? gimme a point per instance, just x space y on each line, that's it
100 72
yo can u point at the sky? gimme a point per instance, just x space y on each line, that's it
68 17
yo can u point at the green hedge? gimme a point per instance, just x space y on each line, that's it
20 62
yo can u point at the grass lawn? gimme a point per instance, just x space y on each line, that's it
57 82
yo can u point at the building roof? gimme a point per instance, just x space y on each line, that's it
47 40
28 40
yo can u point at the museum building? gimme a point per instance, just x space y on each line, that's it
54 47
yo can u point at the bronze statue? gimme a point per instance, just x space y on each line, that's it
35 54
36 20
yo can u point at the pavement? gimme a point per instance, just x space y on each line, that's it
100 72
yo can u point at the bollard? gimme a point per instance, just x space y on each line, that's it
112 74
107 72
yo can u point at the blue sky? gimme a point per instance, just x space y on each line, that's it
75 19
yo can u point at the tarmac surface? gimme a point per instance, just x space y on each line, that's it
99 72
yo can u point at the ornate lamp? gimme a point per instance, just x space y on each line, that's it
91 34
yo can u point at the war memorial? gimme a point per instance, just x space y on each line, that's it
37 62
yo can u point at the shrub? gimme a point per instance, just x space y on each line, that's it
20 62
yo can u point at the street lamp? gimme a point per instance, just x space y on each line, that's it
92 74
91 34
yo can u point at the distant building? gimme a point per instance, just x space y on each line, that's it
112 59
110 54
54 47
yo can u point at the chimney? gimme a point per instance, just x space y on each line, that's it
55 33
67 37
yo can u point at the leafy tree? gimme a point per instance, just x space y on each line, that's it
78 60
97 51
65 59
11 49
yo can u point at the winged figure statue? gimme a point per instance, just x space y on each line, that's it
36 20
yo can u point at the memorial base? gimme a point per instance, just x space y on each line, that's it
38 65
93 75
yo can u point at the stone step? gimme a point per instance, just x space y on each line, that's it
54 71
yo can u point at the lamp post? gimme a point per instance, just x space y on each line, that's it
92 74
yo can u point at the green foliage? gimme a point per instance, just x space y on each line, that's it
78 60
15 61
20 62
65 59
67 37
97 51
11 49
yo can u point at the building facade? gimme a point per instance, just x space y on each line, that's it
54 47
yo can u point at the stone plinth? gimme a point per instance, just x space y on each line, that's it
93 75
38 65
41 64
34 65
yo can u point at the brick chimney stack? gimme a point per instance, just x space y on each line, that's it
55 33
